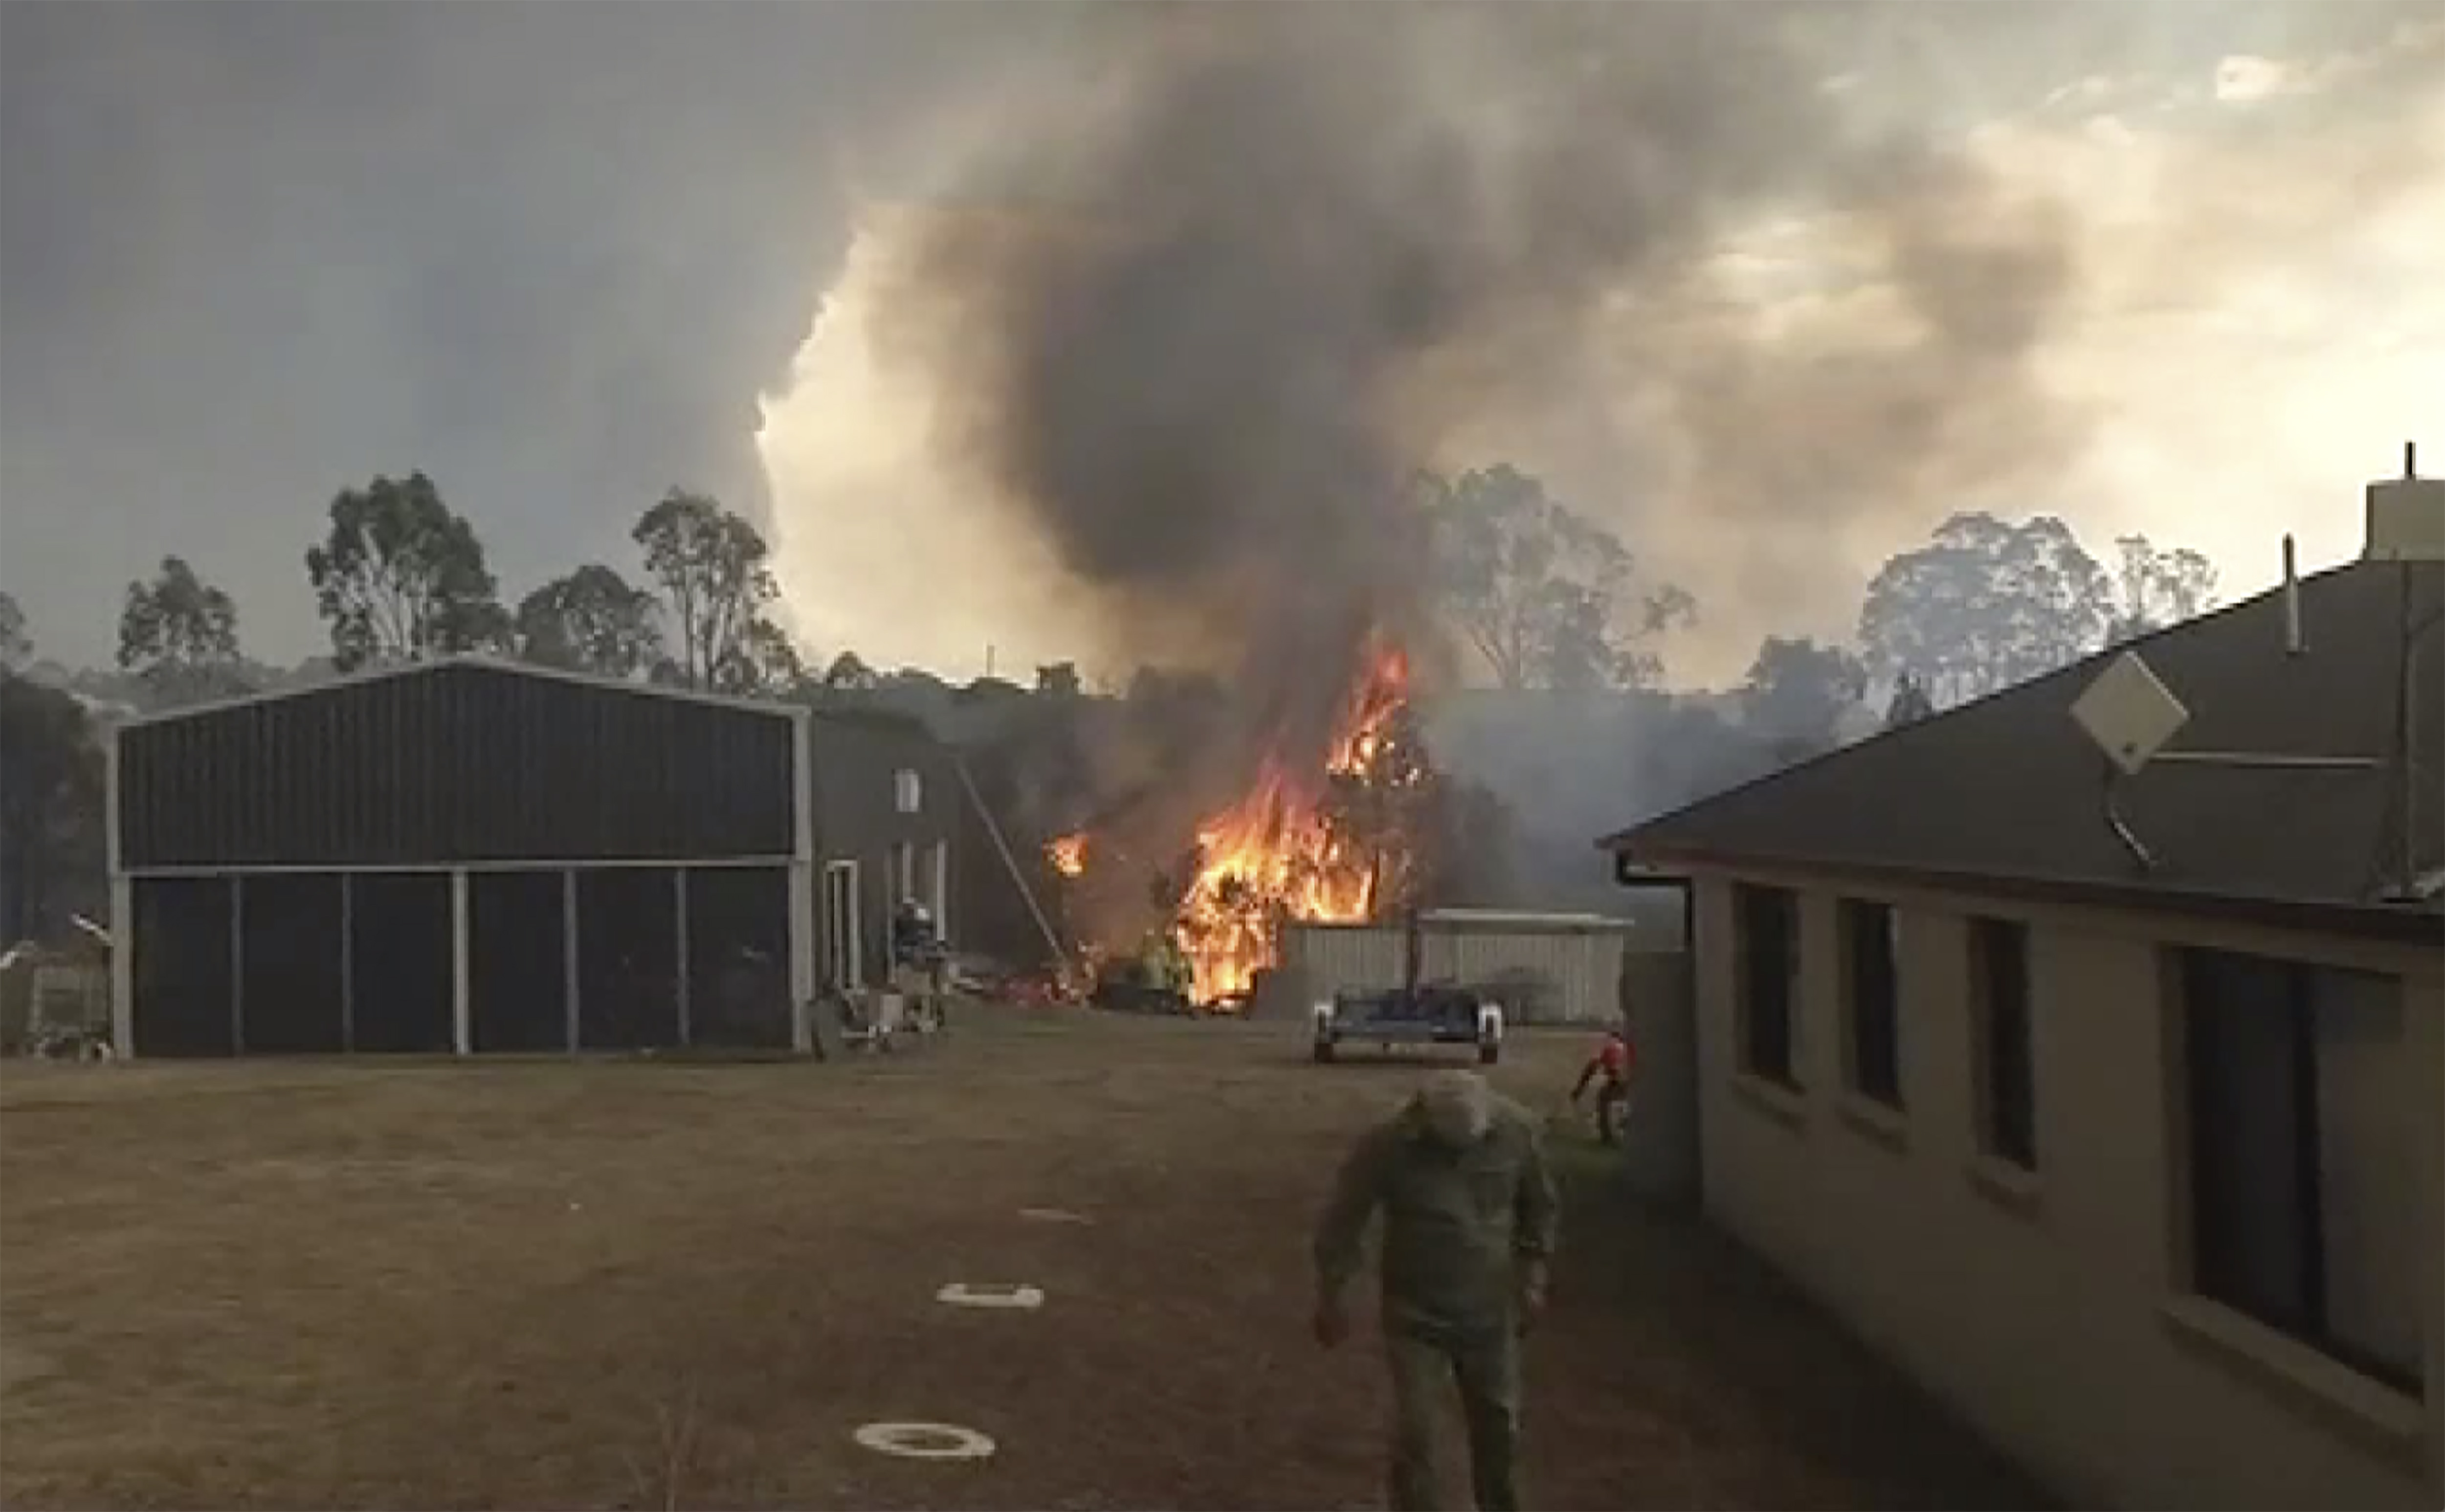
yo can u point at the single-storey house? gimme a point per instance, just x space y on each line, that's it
2108 1104
468 854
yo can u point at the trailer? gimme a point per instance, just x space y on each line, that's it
1543 968
1422 1014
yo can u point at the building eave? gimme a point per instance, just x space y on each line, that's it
2420 923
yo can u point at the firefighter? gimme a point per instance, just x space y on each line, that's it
1612 1061
1177 977
918 956
1469 1223
1162 964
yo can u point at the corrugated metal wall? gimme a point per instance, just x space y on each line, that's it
457 761
1343 958
1542 972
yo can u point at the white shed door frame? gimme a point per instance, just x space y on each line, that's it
843 948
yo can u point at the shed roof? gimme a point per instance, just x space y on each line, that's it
430 665
1533 921
2009 790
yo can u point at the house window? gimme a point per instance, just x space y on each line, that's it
2303 1132
1769 928
1870 1028
2000 1042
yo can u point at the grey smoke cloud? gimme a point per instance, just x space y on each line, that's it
1305 244
251 252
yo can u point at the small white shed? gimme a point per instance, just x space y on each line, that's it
1544 968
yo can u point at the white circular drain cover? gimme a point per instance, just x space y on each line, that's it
925 1441
959 1293
1054 1215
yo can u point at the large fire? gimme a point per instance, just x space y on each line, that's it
1310 839
1277 855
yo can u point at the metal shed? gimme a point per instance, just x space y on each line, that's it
1545 968
467 855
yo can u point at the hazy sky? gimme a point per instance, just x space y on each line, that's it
564 256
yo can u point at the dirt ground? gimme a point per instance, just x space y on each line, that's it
557 1285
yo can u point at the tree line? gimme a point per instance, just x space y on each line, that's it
1549 598
400 576
1546 597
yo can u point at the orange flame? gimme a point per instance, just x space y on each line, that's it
1273 858
1068 854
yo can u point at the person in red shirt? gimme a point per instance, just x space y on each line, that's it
1612 1061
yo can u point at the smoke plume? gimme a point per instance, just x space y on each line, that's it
1293 248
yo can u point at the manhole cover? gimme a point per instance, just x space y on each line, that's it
1054 1215
925 1441
962 1293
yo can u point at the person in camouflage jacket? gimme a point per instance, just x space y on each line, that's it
1470 1215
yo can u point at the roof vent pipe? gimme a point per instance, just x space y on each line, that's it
2293 645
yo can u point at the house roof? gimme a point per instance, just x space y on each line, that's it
890 721
2009 790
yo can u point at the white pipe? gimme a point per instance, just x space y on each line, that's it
679 952
123 908
237 962
123 966
462 1023
347 963
572 1002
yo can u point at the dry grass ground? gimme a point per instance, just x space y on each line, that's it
541 1284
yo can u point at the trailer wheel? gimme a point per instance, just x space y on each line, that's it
1489 1053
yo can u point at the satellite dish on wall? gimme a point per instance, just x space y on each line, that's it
2129 712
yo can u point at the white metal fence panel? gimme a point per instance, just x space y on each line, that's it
1343 958
1539 974
1559 969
